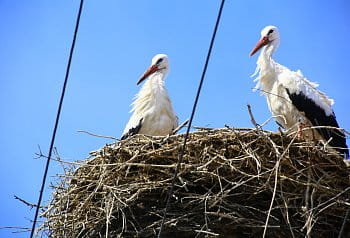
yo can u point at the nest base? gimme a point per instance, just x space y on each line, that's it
232 183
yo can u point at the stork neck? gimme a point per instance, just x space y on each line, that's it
266 53
153 86
156 80
152 90
266 68
265 63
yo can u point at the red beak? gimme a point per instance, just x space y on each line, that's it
152 69
262 42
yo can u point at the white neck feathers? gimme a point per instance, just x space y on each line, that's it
266 69
151 92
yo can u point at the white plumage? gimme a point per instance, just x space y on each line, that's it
291 98
152 110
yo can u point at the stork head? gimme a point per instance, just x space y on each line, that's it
160 64
270 37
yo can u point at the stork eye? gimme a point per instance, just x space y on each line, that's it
159 61
270 31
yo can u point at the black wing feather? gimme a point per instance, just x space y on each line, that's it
132 131
318 117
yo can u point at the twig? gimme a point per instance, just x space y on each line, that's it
252 119
308 222
273 117
180 127
92 134
202 128
31 205
344 223
207 232
331 199
40 154
20 229
261 90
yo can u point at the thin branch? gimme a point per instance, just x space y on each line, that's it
31 205
180 127
346 218
100 136
18 228
252 119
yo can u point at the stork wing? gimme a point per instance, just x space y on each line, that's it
132 131
318 117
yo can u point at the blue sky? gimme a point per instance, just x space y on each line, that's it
115 44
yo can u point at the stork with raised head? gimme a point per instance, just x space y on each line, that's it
294 101
152 110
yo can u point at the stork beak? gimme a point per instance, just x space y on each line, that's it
152 69
262 42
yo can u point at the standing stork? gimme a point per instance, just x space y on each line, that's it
292 99
153 112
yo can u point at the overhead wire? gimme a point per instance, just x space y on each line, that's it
57 119
181 154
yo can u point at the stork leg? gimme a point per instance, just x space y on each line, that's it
301 126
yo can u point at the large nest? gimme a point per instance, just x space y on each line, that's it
231 183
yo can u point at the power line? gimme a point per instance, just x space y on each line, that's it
57 119
171 190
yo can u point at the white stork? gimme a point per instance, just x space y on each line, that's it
292 99
153 112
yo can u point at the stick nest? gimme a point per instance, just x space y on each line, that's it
231 183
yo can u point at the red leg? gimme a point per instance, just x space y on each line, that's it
301 126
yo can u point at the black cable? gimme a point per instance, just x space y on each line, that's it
57 119
171 190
